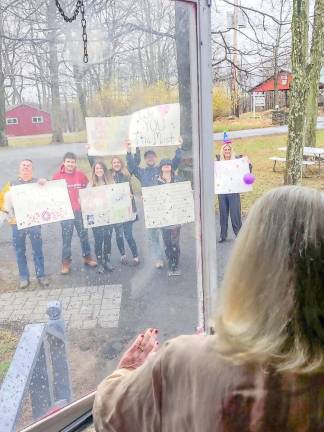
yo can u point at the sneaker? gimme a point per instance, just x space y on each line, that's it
23 284
88 261
108 266
123 259
65 268
43 281
159 264
136 261
221 240
100 269
174 272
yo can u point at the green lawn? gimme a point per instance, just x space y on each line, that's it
8 343
259 150
246 121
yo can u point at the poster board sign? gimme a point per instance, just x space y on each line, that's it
36 204
107 135
150 127
106 205
229 176
168 204
155 126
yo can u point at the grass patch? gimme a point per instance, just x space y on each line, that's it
259 150
44 140
8 343
246 121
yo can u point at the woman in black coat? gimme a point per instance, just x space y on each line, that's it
229 204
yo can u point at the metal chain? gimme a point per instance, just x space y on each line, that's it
75 13
78 8
84 34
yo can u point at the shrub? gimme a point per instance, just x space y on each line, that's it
221 102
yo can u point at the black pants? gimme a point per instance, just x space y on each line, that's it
171 239
102 236
128 233
230 204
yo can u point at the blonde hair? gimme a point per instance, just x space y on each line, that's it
271 305
123 168
221 153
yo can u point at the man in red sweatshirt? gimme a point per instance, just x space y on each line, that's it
75 180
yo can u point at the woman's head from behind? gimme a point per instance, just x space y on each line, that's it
271 307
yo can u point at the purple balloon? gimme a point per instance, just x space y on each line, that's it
249 179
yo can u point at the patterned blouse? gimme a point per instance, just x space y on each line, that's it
187 387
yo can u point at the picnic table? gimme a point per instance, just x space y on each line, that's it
316 152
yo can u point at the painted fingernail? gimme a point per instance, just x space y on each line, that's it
156 331
142 335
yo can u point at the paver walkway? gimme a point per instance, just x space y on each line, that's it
82 307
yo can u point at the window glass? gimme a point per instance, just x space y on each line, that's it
11 121
37 119
100 207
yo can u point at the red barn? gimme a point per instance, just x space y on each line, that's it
26 119
266 88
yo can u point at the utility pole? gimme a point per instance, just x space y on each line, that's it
235 92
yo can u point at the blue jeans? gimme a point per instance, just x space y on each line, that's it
128 233
102 236
19 243
67 233
154 243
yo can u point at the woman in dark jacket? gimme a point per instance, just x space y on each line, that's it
229 204
170 234
120 175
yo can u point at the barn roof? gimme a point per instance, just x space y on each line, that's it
30 105
269 79
268 84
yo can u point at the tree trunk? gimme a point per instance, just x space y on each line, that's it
182 31
297 110
313 74
54 74
3 136
80 92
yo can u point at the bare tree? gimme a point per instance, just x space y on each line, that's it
313 74
298 90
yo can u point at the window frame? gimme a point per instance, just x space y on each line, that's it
8 123
37 117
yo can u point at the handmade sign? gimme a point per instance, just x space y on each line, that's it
107 135
106 205
168 204
36 204
229 176
150 127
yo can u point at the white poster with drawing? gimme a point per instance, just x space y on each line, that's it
168 204
229 176
36 204
155 126
150 127
106 205
107 135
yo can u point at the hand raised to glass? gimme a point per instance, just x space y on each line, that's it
140 349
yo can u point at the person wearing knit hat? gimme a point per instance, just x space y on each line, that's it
229 204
